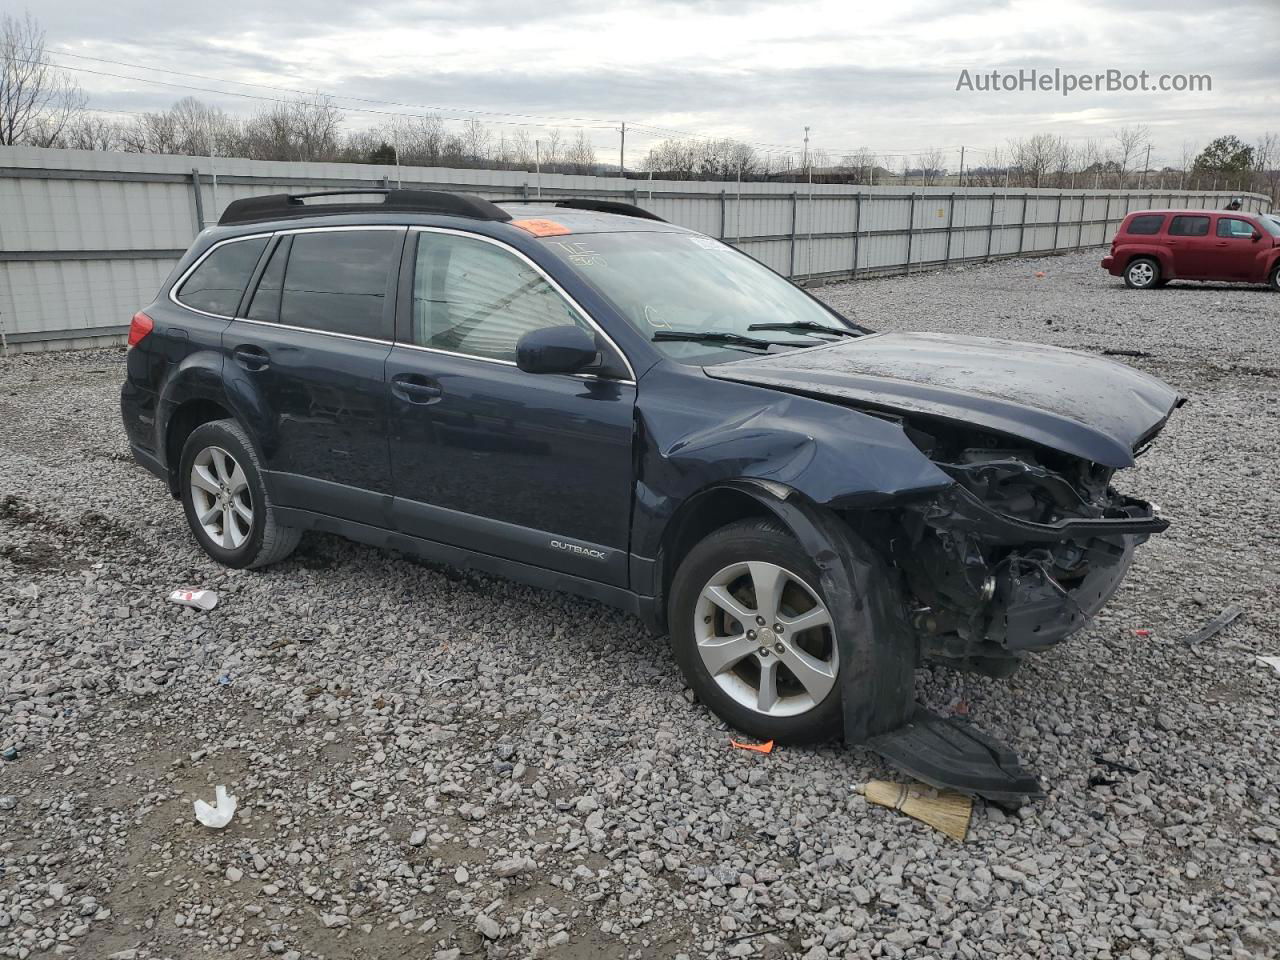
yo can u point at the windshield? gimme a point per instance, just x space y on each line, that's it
1271 224
675 287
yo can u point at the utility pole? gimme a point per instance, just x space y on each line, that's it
962 164
622 151
808 251
1146 165
396 147
537 164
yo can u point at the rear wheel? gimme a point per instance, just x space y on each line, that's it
1274 282
226 501
1142 274
753 635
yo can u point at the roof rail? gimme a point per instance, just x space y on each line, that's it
599 206
283 206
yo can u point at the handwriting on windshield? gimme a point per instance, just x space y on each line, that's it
581 255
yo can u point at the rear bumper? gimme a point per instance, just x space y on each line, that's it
139 408
1109 265
147 459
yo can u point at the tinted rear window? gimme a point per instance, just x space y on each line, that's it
336 281
1146 224
1189 227
218 283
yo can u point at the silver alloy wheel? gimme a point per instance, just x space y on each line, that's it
766 638
1142 274
221 498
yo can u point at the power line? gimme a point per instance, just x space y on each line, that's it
336 96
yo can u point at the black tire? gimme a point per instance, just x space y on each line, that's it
752 540
1274 282
265 539
1142 273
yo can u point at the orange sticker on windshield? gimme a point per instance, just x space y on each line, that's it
542 228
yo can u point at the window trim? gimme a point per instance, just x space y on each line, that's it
564 294
395 341
177 284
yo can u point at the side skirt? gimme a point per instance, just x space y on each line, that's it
619 597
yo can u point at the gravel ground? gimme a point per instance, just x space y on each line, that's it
433 764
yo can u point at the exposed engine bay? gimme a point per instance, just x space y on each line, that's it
1018 555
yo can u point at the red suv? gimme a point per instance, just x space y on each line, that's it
1153 247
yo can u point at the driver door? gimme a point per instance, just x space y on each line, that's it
535 468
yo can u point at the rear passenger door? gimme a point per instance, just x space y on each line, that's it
1190 246
306 361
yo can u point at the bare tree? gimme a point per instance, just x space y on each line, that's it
476 140
1034 157
37 101
581 155
1266 161
1130 142
91 131
932 165
859 164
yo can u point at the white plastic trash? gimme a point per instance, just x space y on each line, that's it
220 814
200 599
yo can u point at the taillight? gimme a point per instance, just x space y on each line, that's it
139 328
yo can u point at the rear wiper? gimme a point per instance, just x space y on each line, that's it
724 336
806 325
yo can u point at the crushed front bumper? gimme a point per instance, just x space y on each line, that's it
1050 581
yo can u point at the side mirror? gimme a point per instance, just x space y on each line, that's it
1256 236
566 349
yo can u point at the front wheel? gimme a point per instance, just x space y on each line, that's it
226 501
753 635
1274 282
1142 274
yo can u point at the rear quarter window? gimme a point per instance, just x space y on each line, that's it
1145 225
218 283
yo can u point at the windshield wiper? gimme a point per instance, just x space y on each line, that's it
724 336
806 325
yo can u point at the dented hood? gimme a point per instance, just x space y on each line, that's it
1074 402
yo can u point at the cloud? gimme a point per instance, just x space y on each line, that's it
883 75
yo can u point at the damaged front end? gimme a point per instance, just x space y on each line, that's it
1018 554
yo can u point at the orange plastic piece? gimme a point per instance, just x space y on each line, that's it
755 747
542 228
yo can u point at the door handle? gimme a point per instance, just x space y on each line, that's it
414 388
250 357
1221 243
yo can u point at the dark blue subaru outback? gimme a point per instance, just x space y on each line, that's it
580 396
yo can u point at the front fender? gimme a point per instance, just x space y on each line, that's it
694 433
878 647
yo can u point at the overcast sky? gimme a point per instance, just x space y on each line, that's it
881 75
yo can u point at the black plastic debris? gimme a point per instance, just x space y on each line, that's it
1215 626
1114 764
951 754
